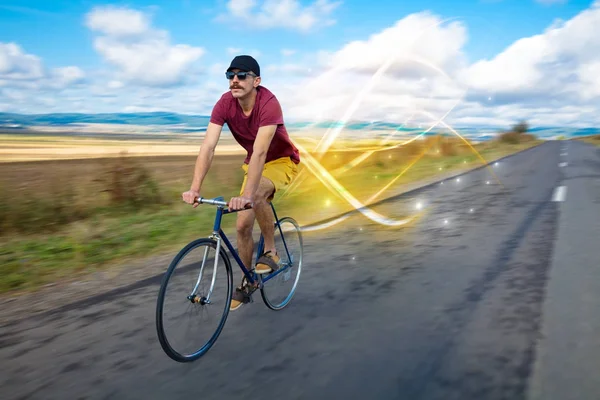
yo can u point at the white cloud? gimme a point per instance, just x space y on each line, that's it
69 89
288 14
65 76
563 62
415 67
118 22
14 95
549 79
20 70
115 84
141 54
17 65
98 98
410 66
417 36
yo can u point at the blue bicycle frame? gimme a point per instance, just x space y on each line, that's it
218 232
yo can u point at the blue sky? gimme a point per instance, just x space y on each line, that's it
55 30
93 60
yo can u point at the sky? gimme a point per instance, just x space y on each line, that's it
466 62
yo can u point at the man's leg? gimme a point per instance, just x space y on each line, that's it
245 248
245 242
264 214
261 210
269 260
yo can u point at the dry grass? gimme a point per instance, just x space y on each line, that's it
33 192
14 148
593 139
63 217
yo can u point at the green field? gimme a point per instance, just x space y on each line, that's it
63 218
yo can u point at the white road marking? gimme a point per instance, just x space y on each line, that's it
563 164
560 193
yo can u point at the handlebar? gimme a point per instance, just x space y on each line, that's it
216 202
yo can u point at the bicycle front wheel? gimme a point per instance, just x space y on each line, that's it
279 287
193 300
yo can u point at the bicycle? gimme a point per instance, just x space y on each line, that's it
202 299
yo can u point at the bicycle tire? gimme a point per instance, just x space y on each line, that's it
162 337
264 292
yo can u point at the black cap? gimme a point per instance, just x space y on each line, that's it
245 63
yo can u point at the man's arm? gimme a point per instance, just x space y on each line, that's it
203 161
257 161
205 157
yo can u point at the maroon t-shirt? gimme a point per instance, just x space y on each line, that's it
266 111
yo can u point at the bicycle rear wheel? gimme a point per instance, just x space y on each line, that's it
279 287
196 287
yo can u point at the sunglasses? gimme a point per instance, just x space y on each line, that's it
241 75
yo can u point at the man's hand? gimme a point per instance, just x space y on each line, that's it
190 196
239 203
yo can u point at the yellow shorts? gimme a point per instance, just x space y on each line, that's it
280 171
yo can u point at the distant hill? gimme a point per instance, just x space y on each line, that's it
150 118
184 123
166 118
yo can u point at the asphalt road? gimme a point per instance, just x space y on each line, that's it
452 307
569 350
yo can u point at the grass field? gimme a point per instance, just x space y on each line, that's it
18 148
594 139
62 218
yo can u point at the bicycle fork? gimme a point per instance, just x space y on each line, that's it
193 297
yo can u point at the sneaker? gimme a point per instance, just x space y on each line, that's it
268 262
241 295
237 299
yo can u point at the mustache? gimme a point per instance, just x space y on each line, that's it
234 87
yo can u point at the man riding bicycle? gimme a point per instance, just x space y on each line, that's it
255 119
